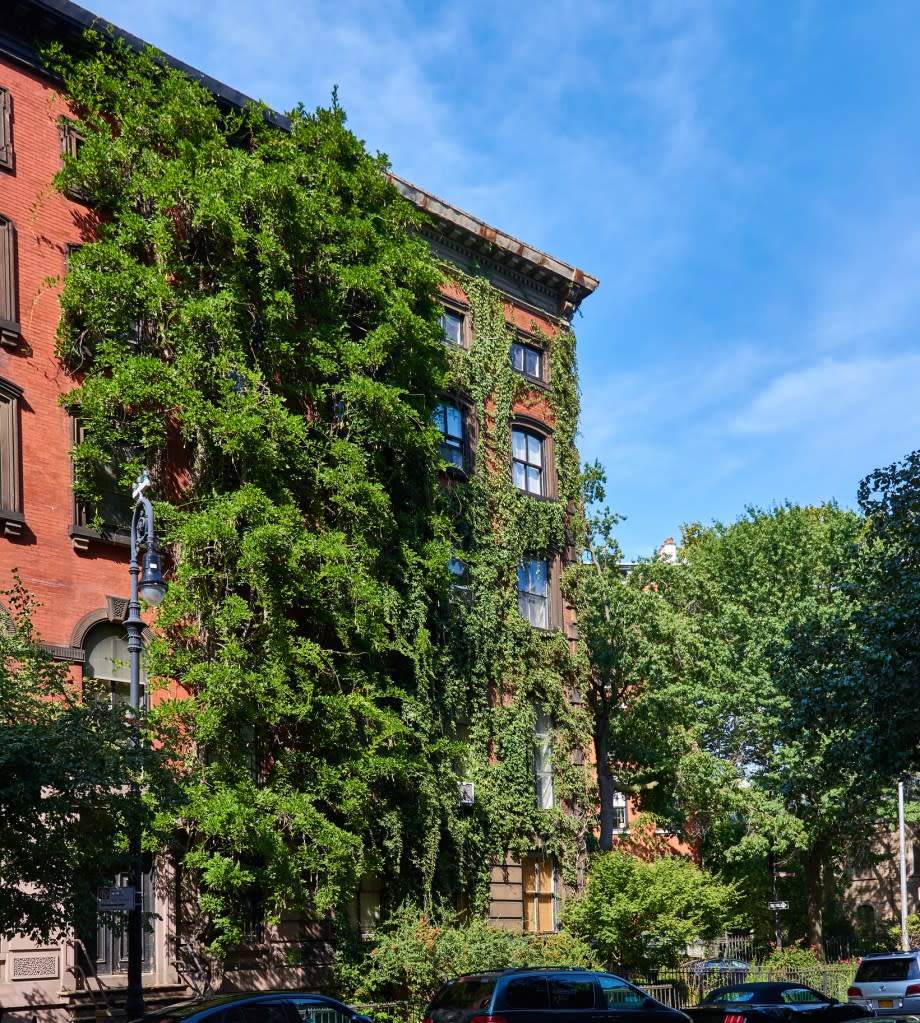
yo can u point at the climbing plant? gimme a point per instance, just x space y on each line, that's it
254 317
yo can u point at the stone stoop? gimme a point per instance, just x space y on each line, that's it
83 1007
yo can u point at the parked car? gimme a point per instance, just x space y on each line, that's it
558 995
265 1007
738 968
888 983
769 1001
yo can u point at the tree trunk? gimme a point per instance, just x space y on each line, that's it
605 786
814 874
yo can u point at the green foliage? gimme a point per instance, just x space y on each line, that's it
646 913
256 319
709 680
66 806
792 958
414 953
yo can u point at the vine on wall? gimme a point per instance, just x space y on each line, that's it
256 314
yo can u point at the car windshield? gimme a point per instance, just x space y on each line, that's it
896 968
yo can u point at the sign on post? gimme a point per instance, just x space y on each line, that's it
776 906
115 900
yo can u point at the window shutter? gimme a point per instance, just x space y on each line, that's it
6 137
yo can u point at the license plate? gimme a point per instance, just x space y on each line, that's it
886 1003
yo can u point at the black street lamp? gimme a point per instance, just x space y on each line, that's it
147 582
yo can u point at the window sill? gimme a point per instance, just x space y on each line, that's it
537 497
81 537
537 382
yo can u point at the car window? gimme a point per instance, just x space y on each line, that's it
617 992
896 968
744 995
526 993
571 992
465 993
802 996
258 1012
314 1011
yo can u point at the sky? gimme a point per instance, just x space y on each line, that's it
741 175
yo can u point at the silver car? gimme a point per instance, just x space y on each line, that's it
888 983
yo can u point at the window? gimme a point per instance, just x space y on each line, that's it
6 135
453 323
620 812
115 506
527 461
543 762
107 663
9 323
366 905
252 916
460 587
538 879
802 996
10 502
448 417
527 359
616 992
533 592
527 993
571 992
71 143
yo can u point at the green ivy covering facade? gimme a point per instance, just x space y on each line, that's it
254 316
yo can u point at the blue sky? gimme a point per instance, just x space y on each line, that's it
742 177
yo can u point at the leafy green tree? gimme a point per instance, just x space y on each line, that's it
722 712
254 316
647 913
67 761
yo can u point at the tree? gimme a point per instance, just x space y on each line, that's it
647 913
719 714
67 760
254 317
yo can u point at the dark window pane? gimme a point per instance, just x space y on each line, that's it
526 993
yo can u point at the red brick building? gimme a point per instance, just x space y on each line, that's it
80 575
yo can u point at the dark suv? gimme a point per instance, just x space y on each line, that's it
888 983
546 996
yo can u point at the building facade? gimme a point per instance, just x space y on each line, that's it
508 430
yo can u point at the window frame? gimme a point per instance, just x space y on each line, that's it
11 515
526 596
71 140
544 777
539 896
6 129
10 329
526 344
81 533
532 429
620 812
454 309
464 442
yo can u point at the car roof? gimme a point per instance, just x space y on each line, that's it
180 1010
759 987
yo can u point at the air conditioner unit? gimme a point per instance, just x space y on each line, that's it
466 791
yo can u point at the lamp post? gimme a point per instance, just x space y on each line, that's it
146 582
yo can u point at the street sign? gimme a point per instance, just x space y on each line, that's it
114 900
776 906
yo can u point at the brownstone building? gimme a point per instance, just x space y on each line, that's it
79 574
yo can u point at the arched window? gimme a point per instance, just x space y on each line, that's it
528 461
106 647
